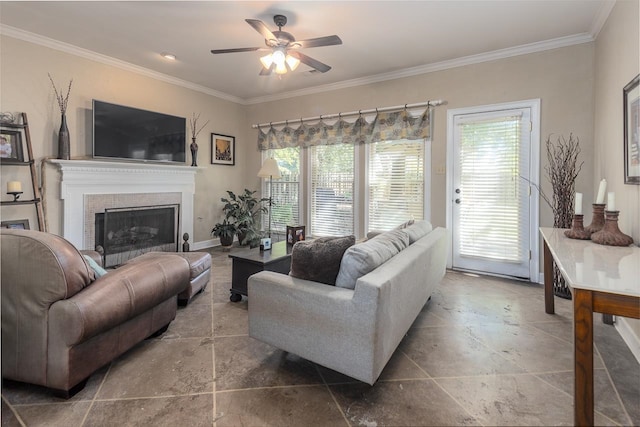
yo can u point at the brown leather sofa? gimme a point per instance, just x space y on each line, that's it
60 323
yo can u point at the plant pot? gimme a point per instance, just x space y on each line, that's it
242 235
226 240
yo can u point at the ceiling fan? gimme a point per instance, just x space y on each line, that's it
284 48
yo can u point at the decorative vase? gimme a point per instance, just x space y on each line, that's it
194 152
610 234
597 222
577 231
63 140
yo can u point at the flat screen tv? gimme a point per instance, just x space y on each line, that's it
126 133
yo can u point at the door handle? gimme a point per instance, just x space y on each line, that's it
458 201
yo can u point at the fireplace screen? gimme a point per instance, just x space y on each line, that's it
125 233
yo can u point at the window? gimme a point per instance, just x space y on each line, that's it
332 188
285 208
396 183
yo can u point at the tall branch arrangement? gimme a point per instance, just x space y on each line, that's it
62 101
193 125
562 171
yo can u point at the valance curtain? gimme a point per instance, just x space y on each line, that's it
386 126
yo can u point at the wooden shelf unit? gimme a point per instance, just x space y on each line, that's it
37 200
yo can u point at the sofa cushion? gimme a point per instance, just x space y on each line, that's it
373 233
418 230
365 257
97 270
319 259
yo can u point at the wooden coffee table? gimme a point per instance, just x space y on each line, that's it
251 261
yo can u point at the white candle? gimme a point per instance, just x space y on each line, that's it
611 201
578 204
14 187
601 190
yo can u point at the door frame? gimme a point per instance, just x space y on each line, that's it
534 171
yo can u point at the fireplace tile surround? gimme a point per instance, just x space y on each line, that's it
90 186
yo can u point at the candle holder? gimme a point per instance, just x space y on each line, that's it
15 194
597 222
577 230
610 234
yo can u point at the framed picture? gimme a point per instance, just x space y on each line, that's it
631 98
20 224
223 149
11 145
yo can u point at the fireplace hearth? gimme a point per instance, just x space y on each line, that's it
125 233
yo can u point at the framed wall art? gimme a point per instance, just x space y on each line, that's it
223 149
11 145
631 99
20 224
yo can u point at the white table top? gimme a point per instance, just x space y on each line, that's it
588 265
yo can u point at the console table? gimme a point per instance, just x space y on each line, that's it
602 279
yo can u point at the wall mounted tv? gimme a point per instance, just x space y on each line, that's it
126 133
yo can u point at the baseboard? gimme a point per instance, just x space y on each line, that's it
205 244
629 336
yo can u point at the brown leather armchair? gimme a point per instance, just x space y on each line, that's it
60 324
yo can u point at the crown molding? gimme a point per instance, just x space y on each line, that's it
601 17
27 36
436 66
407 72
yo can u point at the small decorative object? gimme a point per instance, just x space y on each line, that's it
15 189
295 233
195 130
611 235
63 135
597 220
185 245
631 99
265 244
11 145
20 224
223 149
577 230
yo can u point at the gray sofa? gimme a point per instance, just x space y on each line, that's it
352 331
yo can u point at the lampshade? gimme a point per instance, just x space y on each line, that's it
283 63
270 169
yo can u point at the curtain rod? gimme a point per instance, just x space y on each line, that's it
352 113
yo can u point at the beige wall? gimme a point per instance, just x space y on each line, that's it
25 87
617 62
561 78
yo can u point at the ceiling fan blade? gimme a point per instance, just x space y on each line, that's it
313 63
267 71
262 29
240 49
317 42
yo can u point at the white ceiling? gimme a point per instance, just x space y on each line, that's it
381 39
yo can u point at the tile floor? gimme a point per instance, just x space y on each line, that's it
481 352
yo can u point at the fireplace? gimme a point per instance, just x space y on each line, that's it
125 233
88 187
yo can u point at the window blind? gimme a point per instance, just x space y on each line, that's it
285 209
396 183
332 188
492 218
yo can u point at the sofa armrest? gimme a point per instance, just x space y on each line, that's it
117 297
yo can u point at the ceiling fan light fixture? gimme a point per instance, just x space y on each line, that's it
267 60
281 68
292 62
278 57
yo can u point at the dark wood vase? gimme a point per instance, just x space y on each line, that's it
63 140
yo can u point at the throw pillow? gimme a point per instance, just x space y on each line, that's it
418 230
99 271
365 257
319 259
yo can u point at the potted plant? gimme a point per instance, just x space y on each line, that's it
225 231
243 210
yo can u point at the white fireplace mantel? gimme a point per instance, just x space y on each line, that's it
86 177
